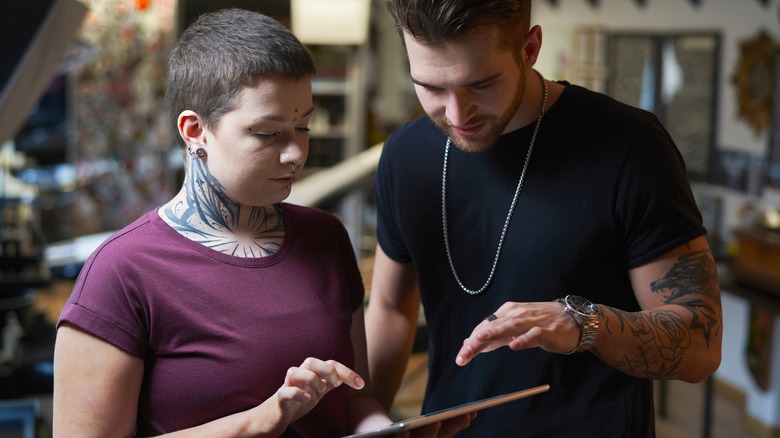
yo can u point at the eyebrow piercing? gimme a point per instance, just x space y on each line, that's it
295 117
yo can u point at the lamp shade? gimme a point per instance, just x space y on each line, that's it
330 21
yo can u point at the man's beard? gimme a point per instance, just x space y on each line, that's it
495 125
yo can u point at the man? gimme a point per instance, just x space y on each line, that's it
562 215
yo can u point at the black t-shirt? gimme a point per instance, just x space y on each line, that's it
605 191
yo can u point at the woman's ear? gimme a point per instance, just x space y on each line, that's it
190 128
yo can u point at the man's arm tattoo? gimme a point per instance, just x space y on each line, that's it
663 335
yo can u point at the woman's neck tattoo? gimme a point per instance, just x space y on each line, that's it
209 216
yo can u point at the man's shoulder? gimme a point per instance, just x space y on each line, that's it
601 105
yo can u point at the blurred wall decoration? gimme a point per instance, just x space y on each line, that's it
123 143
754 79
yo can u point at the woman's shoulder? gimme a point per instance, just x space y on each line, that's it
119 248
130 235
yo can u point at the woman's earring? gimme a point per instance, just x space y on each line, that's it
200 152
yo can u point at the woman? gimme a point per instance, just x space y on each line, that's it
224 312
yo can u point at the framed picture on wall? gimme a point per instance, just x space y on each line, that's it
774 128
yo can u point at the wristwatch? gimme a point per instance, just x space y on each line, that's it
585 314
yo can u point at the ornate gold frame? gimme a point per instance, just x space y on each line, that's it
754 80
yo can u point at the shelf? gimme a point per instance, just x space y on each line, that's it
338 125
332 133
329 87
761 297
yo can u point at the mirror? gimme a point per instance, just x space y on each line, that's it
754 80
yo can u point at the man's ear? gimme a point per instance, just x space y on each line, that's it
532 45
190 128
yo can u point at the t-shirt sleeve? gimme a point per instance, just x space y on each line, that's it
387 233
655 203
353 276
101 305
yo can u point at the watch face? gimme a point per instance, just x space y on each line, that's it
581 304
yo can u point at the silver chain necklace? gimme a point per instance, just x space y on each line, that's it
511 206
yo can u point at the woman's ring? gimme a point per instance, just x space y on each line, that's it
491 317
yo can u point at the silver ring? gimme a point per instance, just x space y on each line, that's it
294 166
491 317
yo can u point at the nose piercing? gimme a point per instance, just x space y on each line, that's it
294 166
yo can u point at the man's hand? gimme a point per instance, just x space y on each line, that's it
444 429
520 326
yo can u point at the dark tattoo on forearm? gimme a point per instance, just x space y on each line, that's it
664 335
663 342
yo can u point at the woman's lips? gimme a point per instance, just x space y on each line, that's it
284 181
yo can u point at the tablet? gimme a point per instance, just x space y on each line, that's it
433 417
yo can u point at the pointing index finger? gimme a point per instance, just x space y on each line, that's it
346 375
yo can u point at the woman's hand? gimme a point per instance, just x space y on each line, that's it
304 386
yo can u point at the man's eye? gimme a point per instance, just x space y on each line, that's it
428 89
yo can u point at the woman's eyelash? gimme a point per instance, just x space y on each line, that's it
266 135
276 133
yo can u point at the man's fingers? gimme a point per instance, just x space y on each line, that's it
487 336
444 429
454 425
429 431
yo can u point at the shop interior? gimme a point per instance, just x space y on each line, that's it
85 149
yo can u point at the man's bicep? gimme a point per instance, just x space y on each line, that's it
685 275
393 285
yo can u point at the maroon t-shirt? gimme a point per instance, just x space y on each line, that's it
217 333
